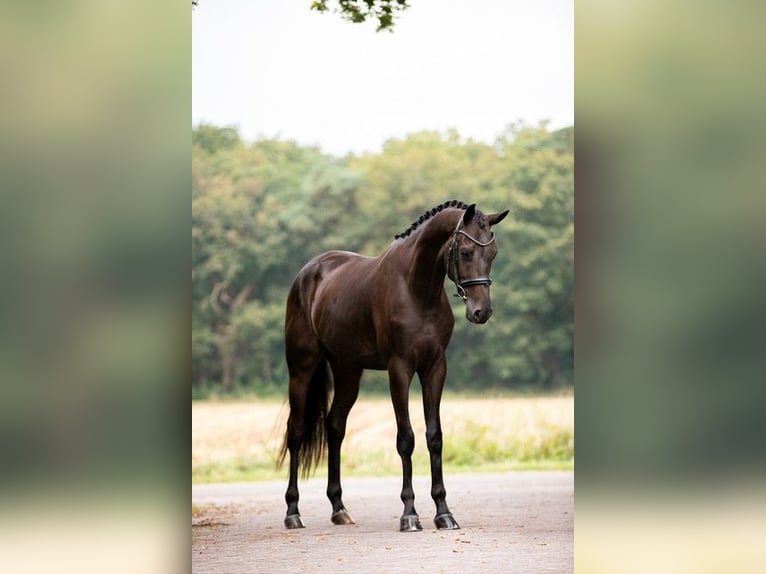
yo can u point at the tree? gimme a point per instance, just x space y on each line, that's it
539 287
261 210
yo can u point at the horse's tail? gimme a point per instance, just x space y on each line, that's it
313 440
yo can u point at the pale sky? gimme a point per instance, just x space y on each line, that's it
274 68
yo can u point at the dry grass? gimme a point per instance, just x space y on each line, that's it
239 440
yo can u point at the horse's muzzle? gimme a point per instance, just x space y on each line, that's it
478 314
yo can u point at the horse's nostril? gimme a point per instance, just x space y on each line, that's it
481 315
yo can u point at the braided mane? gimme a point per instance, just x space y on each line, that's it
427 215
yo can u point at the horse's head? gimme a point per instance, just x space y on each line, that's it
469 258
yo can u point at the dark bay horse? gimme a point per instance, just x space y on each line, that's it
346 313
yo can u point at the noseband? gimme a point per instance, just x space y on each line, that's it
453 259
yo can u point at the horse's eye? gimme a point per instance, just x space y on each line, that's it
466 253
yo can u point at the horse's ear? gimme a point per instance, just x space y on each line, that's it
496 218
470 211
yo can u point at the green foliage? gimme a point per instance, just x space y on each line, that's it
478 445
261 210
212 139
358 11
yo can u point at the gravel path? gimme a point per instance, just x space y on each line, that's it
511 522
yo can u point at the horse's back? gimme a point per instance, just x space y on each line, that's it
320 272
334 294
320 269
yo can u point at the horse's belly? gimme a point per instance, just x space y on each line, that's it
343 323
372 362
352 345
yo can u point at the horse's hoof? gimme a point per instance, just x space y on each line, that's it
446 522
410 523
342 517
294 521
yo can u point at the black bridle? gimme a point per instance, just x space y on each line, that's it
453 259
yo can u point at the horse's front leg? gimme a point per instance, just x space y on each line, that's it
400 377
432 381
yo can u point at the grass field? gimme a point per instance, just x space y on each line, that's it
239 440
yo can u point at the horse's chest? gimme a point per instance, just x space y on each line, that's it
421 333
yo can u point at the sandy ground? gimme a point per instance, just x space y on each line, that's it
511 522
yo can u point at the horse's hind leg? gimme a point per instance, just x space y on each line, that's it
303 356
346 391
299 383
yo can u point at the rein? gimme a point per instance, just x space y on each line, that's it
453 259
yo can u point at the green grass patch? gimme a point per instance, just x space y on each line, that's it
238 440
237 469
478 449
479 445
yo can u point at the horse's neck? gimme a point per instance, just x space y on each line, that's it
426 269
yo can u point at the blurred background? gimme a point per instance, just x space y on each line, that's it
671 448
94 220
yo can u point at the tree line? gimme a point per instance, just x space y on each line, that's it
262 209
